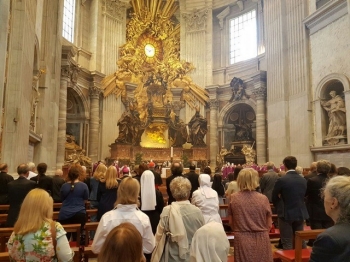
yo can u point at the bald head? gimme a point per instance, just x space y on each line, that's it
3 167
58 172
176 169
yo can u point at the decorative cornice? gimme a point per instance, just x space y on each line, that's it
213 104
66 71
325 15
260 93
95 91
196 20
115 9
222 16
177 105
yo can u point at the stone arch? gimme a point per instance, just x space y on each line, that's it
229 106
319 91
84 100
237 122
77 116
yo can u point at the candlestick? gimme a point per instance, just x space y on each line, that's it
171 152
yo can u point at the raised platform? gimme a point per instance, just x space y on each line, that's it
128 153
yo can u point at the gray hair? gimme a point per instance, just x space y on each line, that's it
323 166
270 165
339 188
31 166
180 188
299 170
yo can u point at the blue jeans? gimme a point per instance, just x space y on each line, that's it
287 231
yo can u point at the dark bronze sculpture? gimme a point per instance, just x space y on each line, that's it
197 130
177 132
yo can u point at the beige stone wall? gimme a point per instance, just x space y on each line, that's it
329 48
32 25
287 81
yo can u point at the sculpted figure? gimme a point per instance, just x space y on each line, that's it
197 130
125 128
177 132
238 89
243 132
336 114
249 154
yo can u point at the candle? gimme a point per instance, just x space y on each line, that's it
171 152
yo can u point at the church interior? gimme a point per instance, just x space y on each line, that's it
210 81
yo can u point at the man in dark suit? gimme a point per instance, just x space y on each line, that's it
318 216
176 170
4 180
268 180
193 177
288 197
18 190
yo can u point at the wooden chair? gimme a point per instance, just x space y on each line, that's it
5 234
299 254
91 212
73 228
89 226
89 254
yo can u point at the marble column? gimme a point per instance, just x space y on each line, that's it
213 128
213 136
260 96
94 122
62 115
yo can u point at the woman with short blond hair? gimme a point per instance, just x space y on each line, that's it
107 192
126 210
250 219
32 237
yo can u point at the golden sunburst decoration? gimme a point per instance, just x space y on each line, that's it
153 48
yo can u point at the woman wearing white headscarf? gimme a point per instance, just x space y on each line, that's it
181 220
210 243
152 202
207 200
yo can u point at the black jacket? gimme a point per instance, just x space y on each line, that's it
4 180
18 189
291 187
333 245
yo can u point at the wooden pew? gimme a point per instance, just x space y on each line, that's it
89 226
3 219
4 207
5 234
299 254
73 228
4 256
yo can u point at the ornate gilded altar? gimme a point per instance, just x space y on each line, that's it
153 83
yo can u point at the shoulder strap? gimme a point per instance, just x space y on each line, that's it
53 235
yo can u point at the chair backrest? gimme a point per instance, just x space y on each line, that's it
74 228
4 256
89 226
304 235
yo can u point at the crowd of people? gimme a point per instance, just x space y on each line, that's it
136 223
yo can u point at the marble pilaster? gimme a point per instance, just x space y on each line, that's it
213 128
94 138
260 96
62 114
